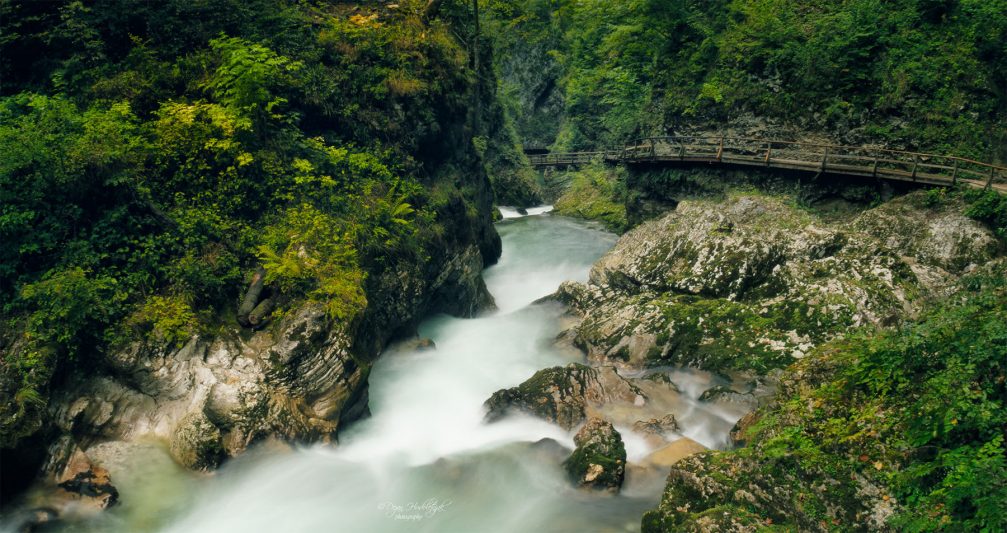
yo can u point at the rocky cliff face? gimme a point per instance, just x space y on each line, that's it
748 287
301 378
753 282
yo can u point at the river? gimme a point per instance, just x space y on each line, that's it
424 460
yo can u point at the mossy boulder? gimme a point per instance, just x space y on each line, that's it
196 443
599 461
753 282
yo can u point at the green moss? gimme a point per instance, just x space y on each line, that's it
595 193
908 420
717 335
598 443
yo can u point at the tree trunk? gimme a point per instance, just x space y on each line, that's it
477 90
251 297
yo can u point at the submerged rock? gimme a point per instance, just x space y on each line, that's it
417 344
657 426
674 452
79 481
599 461
564 394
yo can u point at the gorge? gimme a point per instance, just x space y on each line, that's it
503 265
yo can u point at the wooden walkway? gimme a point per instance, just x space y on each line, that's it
925 169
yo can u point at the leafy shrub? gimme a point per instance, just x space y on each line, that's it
308 252
165 319
919 411
988 207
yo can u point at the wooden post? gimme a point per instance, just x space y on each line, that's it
681 150
720 149
825 158
653 148
875 170
989 182
916 164
769 151
954 175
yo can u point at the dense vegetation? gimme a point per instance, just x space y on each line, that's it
928 74
904 427
154 153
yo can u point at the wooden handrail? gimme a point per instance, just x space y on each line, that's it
716 139
865 161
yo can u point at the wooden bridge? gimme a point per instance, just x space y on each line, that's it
927 169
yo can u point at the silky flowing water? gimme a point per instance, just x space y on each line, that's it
425 460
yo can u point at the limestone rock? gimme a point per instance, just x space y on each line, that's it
73 484
753 283
196 443
737 435
657 426
564 395
599 461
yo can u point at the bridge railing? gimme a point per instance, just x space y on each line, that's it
568 158
860 160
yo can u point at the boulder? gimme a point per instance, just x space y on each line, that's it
738 432
564 394
599 461
657 426
196 443
754 283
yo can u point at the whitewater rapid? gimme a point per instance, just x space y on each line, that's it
425 460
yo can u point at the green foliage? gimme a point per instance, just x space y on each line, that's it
918 412
988 207
247 76
308 252
595 194
925 74
66 304
154 153
168 320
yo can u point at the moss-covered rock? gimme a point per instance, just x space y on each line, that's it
884 430
594 193
196 443
754 282
599 461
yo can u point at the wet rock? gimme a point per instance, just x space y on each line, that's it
418 344
564 395
196 443
549 450
91 485
753 283
77 485
657 426
599 461
726 395
37 519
